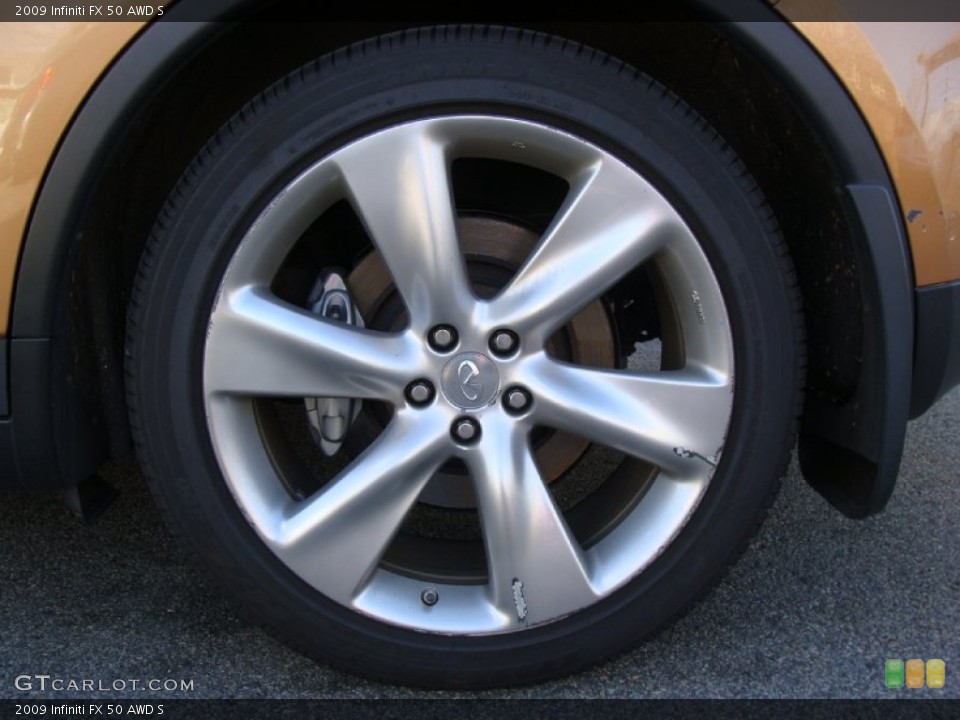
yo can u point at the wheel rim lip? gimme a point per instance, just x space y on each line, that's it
464 609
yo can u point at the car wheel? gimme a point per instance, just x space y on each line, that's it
465 357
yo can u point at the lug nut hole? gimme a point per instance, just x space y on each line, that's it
420 392
443 338
465 430
517 400
504 342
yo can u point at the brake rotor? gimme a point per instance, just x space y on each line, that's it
493 250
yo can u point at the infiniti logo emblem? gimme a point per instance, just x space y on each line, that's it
469 376
470 381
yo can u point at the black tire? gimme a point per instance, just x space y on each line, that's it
390 82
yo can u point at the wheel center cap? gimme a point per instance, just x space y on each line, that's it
470 380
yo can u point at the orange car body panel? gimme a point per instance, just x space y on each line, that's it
46 71
906 80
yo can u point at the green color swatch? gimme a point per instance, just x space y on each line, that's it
893 670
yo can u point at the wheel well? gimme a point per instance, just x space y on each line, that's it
702 63
757 116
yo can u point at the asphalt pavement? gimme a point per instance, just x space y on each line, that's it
812 610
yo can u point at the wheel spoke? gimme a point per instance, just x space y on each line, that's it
610 222
398 183
257 345
537 569
336 538
676 420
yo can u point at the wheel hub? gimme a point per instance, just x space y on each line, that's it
494 249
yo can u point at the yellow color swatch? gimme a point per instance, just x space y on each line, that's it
936 673
915 673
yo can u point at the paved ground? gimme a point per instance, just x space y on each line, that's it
813 609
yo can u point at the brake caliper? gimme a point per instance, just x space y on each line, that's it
330 417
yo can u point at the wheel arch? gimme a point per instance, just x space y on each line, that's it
137 131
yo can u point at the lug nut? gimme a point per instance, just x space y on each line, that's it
443 337
420 392
516 399
504 342
465 430
429 597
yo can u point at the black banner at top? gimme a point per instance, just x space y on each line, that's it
503 13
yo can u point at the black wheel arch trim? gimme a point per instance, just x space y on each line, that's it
870 429
851 453
937 357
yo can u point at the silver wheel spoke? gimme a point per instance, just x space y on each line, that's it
336 539
256 345
609 223
399 185
537 569
676 420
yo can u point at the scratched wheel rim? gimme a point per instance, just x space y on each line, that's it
673 419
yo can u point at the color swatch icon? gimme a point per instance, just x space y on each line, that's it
914 673
936 673
893 671
897 673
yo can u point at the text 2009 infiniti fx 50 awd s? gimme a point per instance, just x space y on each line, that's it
468 355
